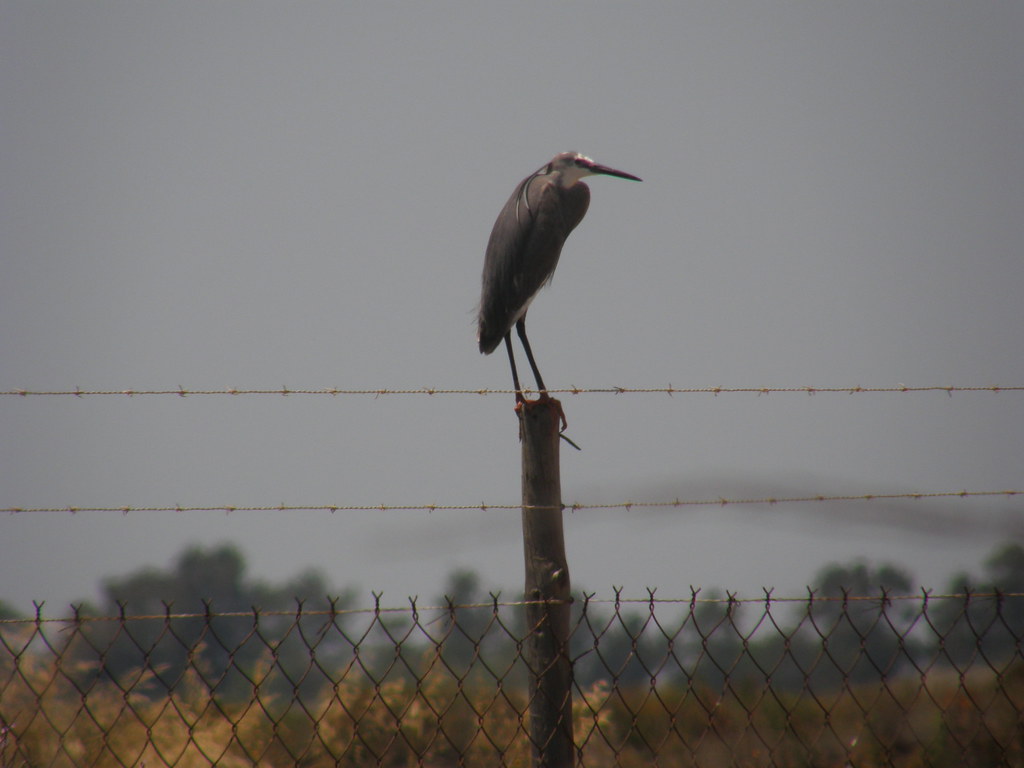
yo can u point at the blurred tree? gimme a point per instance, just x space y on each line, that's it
478 631
626 646
220 636
464 628
851 632
8 612
1005 568
986 626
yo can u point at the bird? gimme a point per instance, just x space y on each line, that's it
524 247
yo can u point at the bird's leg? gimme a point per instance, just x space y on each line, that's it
521 330
512 362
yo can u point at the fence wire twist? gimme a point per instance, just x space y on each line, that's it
857 680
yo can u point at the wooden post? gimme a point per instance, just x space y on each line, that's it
547 579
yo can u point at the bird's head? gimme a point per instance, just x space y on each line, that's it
570 167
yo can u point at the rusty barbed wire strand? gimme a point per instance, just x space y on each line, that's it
485 507
669 390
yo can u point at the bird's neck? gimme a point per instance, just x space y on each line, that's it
567 177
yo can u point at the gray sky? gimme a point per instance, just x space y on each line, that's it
257 194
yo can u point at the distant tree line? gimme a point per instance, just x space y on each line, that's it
848 631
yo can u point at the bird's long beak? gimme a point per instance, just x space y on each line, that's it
604 169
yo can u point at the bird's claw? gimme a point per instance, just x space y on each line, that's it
545 398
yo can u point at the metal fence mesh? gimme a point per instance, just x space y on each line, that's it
858 681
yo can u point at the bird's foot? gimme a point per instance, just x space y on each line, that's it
521 396
544 396
545 399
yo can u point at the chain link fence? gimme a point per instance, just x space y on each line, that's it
852 681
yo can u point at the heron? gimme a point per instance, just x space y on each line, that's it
524 247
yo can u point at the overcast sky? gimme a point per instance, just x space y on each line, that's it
263 194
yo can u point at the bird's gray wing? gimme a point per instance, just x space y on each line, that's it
523 251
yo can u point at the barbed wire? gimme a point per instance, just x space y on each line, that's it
669 390
485 507
413 606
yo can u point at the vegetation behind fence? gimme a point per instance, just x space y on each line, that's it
824 680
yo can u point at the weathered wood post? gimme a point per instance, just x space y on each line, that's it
547 580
